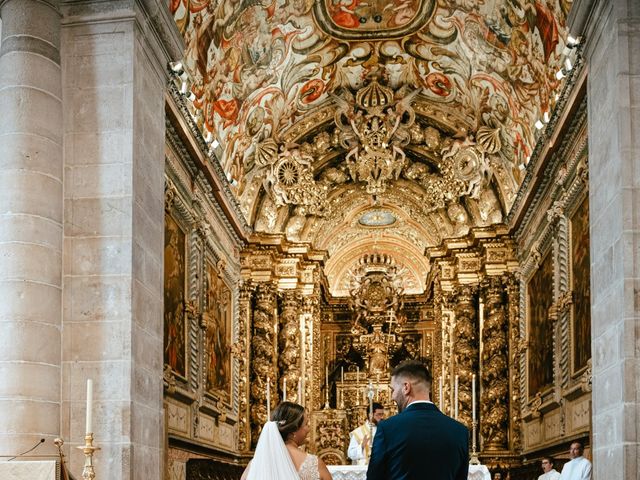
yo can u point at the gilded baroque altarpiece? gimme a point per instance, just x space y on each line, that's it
554 335
201 374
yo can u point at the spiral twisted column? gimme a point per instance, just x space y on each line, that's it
289 358
263 357
465 348
494 402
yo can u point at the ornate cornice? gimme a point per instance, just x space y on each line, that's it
178 147
221 183
543 157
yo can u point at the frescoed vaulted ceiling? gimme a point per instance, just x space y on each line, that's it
377 126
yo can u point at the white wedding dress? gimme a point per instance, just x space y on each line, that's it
273 462
309 468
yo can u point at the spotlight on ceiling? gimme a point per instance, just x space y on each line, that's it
567 63
560 74
572 41
176 67
539 125
546 117
215 143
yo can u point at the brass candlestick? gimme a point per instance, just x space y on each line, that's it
87 472
474 454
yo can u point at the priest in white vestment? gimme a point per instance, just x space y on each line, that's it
578 468
550 473
361 438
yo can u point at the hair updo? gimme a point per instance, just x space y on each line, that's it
289 417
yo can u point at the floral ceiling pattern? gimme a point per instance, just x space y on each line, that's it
324 110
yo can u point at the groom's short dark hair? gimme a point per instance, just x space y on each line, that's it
414 370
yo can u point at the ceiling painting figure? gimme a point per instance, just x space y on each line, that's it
280 85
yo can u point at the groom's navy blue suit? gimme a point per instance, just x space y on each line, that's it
421 443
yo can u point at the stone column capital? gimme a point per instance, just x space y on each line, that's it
152 18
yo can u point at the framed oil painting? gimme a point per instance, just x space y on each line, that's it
174 296
580 279
217 313
540 327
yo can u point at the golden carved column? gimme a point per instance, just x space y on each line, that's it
494 404
311 345
242 352
465 348
513 295
289 358
442 349
263 357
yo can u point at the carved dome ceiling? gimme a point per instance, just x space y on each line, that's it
372 127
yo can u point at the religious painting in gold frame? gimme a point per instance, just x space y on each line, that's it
217 314
175 255
540 327
580 285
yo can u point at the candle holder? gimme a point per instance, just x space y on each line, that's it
326 397
474 454
88 472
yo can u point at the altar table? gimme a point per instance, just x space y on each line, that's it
359 472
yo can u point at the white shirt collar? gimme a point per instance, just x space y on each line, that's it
418 401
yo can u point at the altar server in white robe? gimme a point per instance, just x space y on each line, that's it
550 473
578 468
362 437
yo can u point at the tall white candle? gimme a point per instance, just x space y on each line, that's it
268 399
326 384
455 399
440 403
473 397
357 374
300 391
89 418
284 389
342 374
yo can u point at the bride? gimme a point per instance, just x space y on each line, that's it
278 456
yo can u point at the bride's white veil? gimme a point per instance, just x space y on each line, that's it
271 460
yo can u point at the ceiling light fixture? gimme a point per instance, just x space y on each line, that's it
539 125
567 63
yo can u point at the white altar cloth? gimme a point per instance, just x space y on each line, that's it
359 472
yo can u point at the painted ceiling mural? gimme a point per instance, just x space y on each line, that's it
414 115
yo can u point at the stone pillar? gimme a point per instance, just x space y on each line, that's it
612 51
114 61
30 224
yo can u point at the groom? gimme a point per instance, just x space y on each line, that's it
420 442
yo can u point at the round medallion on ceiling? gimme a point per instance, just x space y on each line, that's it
377 217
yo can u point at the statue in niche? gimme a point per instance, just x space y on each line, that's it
346 355
378 360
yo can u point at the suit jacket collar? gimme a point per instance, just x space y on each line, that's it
421 406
